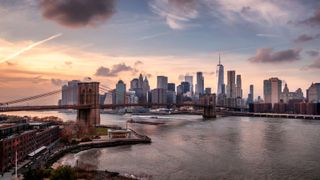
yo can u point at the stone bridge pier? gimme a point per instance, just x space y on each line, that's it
209 106
88 94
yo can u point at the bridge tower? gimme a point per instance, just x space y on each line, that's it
209 106
88 94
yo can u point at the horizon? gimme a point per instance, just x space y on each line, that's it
42 46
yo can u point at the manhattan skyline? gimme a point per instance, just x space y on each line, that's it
42 46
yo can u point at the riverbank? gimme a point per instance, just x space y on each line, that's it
139 139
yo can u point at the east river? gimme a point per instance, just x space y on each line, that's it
188 147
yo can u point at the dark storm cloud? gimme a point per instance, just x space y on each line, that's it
78 13
304 38
314 20
114 70
266 55
313 53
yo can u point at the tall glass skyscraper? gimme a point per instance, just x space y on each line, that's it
220 76
200 83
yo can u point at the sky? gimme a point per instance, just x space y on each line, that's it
45 43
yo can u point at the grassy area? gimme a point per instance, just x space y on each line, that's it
100 131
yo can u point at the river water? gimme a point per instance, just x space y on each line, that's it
188 147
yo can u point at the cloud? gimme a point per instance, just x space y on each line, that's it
209 73
268 35
78 13
175 12
258 12
137 63
266 55
114 70
16 54
315 64
58 82
313 53
304 38
313 20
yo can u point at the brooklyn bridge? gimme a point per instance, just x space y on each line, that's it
88 106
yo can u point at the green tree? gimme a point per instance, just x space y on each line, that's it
63 172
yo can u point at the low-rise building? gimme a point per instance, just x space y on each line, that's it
22 139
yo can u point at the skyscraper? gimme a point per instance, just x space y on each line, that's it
159 96
146 86
231 84
239 87
250 95
140 81
189 79
220 76
200 83
171 87
272 90
120 92
134 83
162 82
70 93
313 93
185 87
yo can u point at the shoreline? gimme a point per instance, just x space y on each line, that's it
142 139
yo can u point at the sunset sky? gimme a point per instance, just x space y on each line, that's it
44 43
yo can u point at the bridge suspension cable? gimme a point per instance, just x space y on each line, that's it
30 98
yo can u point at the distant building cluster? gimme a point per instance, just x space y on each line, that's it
230 94
276 94
278 100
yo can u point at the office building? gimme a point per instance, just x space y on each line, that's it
250 95
70 93
220 77
131 97
162 82
120 92
313 93
159 96
189 79
239 87
185 87
140 81
272 90
231 84
171 87
134 84
200 84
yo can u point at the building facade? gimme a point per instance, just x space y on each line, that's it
162 82
313 93
220 77
231 84
272 90
200 84
120 92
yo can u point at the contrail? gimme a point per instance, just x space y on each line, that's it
29 48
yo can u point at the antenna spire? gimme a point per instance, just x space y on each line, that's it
219 59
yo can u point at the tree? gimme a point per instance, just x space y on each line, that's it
63 172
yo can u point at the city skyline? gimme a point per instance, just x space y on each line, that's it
281 40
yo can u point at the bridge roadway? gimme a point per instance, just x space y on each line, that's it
273 115
105 106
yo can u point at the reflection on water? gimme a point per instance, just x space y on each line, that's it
188 147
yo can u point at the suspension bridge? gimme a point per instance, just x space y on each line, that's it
88 106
